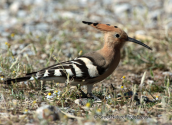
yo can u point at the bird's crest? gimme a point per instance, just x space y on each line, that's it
102 27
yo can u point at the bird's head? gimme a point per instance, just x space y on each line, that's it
114 36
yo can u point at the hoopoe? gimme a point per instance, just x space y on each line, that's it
91 67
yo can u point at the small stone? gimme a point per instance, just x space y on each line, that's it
150 81
168 6
22 14
48 112
140 32
122 8
14 7
42 26
44 56
167 73
82 101
89 123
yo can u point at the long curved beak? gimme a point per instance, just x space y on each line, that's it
138 42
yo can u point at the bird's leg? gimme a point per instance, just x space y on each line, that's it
89 92
83 95
89 89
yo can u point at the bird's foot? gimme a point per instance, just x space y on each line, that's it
90 95
83 95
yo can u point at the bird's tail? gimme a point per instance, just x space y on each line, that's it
9 81
28 76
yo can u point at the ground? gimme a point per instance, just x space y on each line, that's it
37 34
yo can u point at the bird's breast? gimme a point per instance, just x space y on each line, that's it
107 72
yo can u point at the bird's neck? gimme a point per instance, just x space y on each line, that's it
110 53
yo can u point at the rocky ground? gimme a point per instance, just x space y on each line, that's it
38 33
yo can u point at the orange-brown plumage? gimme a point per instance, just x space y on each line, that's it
102 27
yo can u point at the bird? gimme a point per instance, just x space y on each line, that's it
89 68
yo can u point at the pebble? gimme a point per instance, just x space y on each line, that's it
89 123
150 82
140 32
122 8
168 6
14 7
22 14
44 56
42 27
48 112
81 102
167 73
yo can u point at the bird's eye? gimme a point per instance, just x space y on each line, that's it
117 35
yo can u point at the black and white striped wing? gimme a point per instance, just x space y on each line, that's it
79 68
